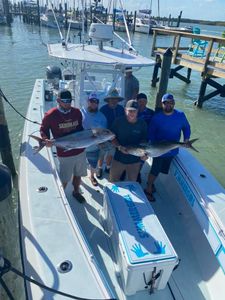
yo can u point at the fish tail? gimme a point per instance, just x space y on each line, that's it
41 142
189 144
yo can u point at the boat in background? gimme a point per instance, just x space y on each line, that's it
144 23
3 20
116 245
120 19
179 28
75 24
52 19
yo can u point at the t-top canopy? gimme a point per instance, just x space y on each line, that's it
92 54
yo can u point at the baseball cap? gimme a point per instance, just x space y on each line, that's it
65 96
128 68
132 105
167 97
141 96
93 96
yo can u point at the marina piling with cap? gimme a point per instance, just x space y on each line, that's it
164 77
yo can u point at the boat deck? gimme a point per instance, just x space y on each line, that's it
180 225
56 228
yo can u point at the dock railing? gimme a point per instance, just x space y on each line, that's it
210 64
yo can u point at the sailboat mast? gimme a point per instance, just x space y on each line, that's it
150 13
158 11
82 4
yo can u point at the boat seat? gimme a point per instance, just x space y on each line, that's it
68 74
197 47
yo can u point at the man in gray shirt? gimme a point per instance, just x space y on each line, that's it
131 85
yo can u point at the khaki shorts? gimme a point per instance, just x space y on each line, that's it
72 165
118 168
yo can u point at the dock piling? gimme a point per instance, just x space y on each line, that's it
5 145
164 77
155 78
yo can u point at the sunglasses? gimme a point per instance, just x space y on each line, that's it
94 101
168 103
66 100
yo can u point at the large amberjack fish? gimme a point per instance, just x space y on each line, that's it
78 140
158 149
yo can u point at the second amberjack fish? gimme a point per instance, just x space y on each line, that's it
78 140
158 149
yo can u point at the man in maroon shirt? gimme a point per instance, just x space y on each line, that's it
62 120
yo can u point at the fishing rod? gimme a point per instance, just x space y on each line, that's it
119 37
57 23
125 21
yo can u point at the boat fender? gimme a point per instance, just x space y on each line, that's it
5 182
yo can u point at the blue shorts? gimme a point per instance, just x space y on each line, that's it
161 164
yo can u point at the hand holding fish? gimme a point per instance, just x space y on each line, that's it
122 149
49 143
144 157
186 144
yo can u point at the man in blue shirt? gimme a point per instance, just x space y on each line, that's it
166 125
144 112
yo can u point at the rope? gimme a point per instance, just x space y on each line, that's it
6 267
6 100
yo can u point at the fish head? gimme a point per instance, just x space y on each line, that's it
103 133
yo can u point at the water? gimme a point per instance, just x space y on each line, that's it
24 58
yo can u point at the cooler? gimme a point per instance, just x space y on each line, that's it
142 249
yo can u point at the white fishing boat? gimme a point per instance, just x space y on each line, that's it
179 28
75 24
146 25
52 19
144 22
120 23
116 245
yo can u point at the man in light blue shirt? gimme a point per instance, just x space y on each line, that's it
93 118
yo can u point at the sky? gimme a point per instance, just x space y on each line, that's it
212 10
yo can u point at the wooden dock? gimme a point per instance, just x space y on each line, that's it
211 65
